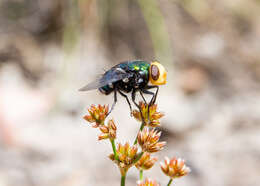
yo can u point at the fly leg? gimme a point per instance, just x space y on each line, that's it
153 100
125 96
143 97
145 91
133 98
150 103
136 104
114 103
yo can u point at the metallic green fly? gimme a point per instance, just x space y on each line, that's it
131 76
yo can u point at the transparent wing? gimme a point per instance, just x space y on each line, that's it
93 85
111 76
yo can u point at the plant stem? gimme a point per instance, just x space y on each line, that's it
157 28
114 148
123 180
141 128
169 183
141 175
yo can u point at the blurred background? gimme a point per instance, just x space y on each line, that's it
49 49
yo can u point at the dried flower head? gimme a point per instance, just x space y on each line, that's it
148 182
149 140
97 115
146 162
174 168
151 120
126 156
108 131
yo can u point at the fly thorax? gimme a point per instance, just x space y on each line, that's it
125 80
144 75
140 80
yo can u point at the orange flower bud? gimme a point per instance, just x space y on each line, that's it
147 182
126 156
149 140
111 124
104 129
97 115
151 119
108 132
103 136
174 168
146 162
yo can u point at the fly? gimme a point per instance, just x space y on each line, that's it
131 77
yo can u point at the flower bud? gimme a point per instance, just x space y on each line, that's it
148 182
151 119
146 162
108 131
174 168
126 156
149 140
97 115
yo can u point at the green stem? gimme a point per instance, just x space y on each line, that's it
169 183
114 148
141 175
157 28
141 128
123 180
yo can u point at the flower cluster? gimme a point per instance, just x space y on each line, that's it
108 131
174 168
97 115
146 162
149 140
126 156
148 182
150 115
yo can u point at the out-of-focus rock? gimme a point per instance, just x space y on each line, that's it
193 80
209 45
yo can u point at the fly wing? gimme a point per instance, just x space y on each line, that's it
110 76
93 85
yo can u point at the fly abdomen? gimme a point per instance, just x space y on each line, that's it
106 89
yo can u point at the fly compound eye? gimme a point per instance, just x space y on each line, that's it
158 74
155 73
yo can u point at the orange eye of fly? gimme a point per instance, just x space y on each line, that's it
155 72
